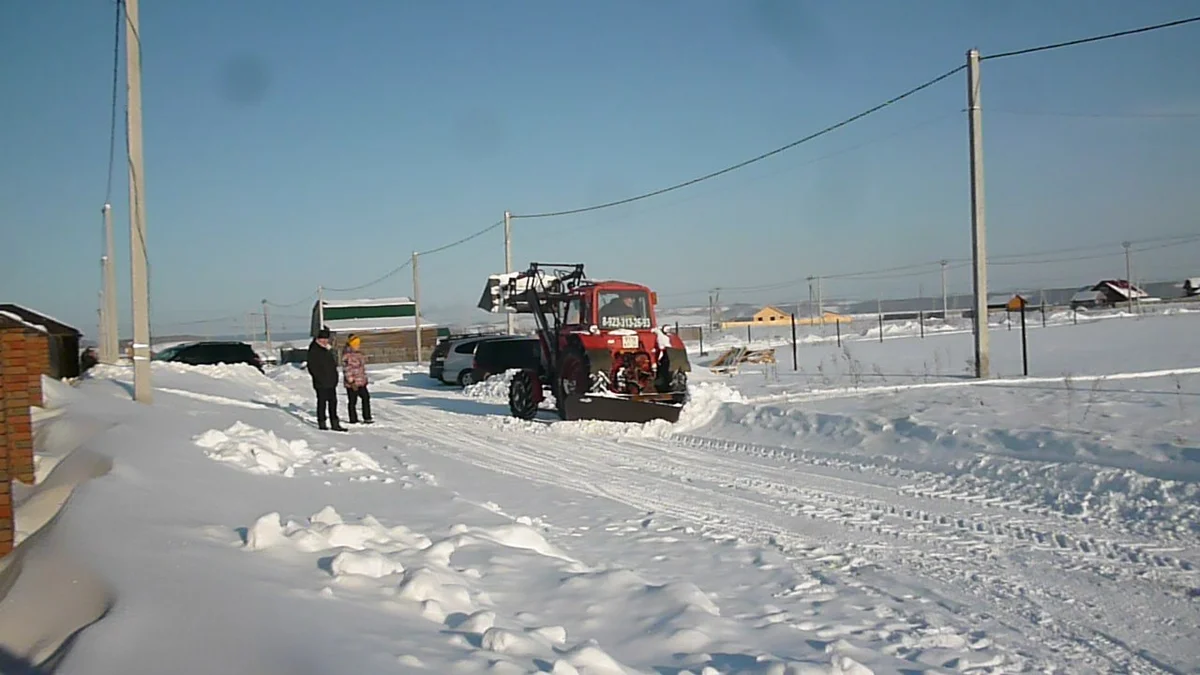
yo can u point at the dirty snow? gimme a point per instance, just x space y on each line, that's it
872 511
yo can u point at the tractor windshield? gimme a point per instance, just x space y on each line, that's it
625 309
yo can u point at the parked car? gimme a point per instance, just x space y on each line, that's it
496 356
211 353
452 357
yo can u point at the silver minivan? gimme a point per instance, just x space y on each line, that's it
455 367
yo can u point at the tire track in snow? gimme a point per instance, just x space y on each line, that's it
864 506
1042 531
624 471
981 488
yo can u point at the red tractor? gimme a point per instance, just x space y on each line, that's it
603 356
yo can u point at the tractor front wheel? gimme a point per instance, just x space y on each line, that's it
523 390
573 378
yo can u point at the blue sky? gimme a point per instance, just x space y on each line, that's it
291 145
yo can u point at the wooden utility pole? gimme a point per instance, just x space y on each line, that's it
138 262
978 225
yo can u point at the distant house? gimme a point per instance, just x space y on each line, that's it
773 316
1107 293
63 340
1191 287
387 327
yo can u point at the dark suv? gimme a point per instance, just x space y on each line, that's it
211 353
496 356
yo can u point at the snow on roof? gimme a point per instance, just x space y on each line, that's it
31 312
17 319
376 325
1121 287
369 302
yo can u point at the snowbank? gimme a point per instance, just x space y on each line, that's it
48 595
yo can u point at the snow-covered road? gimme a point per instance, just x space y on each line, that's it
1009 527
1090 590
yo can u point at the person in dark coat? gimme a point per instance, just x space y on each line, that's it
322 366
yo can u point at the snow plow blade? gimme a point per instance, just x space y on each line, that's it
610 409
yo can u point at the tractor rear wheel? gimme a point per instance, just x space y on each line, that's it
522 397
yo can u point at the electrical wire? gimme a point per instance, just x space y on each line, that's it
301 301
1046 113
369 283
397 270
464 240
748 162
1096 38
919 269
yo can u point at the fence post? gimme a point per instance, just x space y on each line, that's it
795 363
838 325
881 326
702 341
749 338
1075 315
921 320
1043 314
1024 346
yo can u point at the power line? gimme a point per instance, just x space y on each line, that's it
896 133
369 283
1048 113
406 264
919 269
301 301
1097 38
752 160
464 240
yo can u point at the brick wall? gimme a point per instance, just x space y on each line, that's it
7 529
24 358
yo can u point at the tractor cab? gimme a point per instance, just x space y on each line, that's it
611 306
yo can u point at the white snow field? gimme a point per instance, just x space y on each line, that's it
872 513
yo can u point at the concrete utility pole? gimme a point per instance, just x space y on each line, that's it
820 304
944 317
978 225
812 318
109 352
508 317
1129 273
137 210
417 304
320 308
102 327
267 325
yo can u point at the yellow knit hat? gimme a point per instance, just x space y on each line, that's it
354 341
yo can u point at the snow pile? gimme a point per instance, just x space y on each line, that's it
492 390
261 451
705 400
505 592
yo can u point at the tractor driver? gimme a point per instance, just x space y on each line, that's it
622 304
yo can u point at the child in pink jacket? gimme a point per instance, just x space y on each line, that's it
354 375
